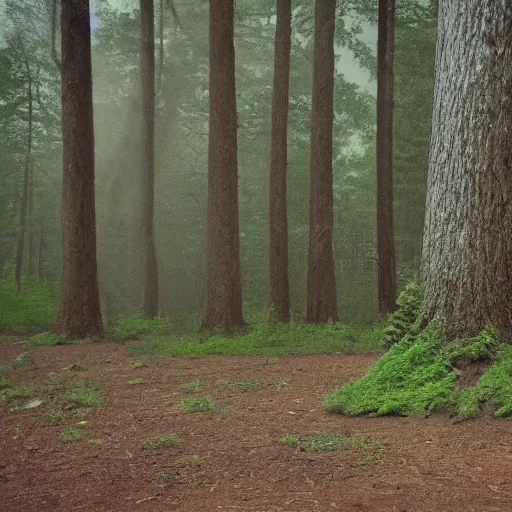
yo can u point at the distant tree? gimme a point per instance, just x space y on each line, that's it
321 293
386 267
467 244
279 285
224 290
147 68
79 313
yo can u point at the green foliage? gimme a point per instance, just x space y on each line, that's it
267 340
34 308
199 404
54 418
494 387
160 442
193 386
484 346
195 460
404 320
415 376
246 385
126 328
84 393
10 394
71 434
46 339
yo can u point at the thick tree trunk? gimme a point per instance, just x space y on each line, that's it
147 66
224 290
79 314
321 300
467 245
386 267
278 249
24 204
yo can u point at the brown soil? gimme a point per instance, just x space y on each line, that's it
426 464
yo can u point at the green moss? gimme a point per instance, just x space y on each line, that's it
199 404
84 393
415 376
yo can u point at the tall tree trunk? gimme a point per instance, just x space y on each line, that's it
467 245
224 290
279 285
79 313
147 66
20 243
161 22
31 223
386 267
321 300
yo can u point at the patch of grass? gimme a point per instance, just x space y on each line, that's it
160 442
54 418
9 395
71 434
21 360
164 475
193 386
138 364
195 460
138 380
132 327
4 383
334 442
266 340
195 404
46 339
84 393
178 373
33 309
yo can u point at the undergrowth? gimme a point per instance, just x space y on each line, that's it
268 339
419 373
33 309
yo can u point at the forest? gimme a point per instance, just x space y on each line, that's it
254 252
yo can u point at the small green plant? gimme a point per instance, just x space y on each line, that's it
177 373
193 404
78 367
404 320
9 395
195 460
54 418
84 393
21 360
18 429
160 442
71 434
138 380
246 385
4 383
164 475
290 439
138 364
193 386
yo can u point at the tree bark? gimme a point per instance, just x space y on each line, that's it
224 290
79 313
147 66
386 267
321 299
278 253
467 247
24 204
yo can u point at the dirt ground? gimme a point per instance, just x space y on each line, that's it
426 464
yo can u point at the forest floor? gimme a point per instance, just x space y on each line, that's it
234 457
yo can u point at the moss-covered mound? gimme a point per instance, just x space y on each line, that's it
423 373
